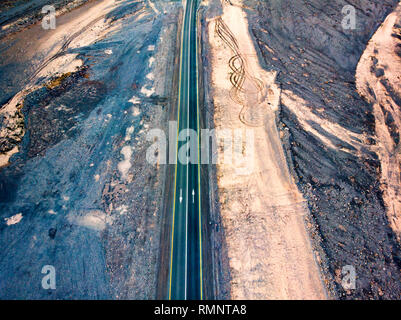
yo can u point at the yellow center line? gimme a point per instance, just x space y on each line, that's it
199 187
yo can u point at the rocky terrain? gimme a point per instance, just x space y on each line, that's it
323 190
77 192
330 137
18 14
378 82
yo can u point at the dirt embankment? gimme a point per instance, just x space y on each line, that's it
266 245
331 134
18 14
378 81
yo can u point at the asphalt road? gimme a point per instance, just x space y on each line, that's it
185 274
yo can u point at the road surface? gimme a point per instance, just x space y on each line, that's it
185 274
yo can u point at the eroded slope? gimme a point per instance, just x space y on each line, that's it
331 134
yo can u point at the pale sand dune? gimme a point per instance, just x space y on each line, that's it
269 252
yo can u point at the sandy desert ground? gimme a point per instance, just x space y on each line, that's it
314 187
262 210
